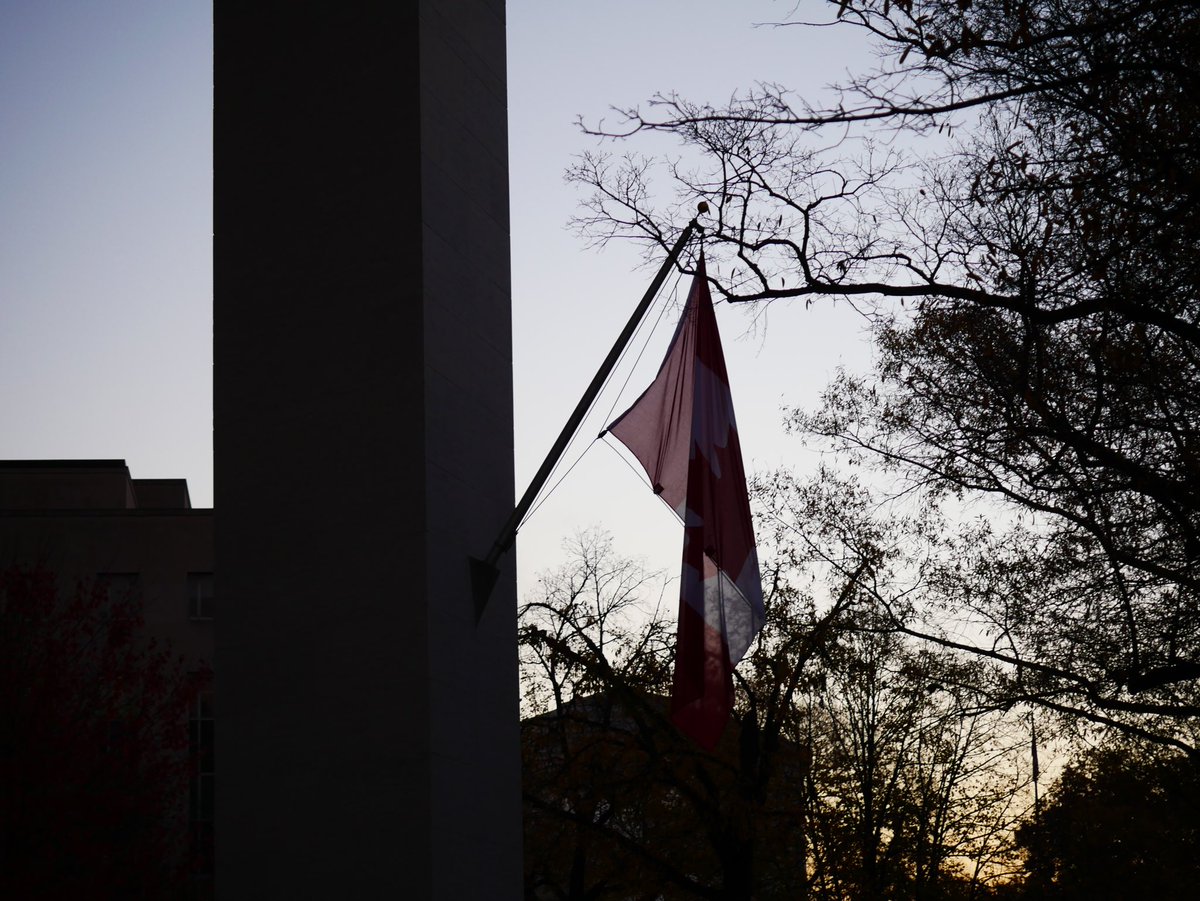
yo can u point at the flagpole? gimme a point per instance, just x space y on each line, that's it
485 572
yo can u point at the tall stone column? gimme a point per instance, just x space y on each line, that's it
367 726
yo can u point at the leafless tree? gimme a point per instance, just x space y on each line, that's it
1011 199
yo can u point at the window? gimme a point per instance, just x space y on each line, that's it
200 595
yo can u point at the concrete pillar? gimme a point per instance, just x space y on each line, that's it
367 728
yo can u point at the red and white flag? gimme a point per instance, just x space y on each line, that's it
682 431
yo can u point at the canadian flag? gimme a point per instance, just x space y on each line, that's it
682 431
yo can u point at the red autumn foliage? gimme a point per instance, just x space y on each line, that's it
94 755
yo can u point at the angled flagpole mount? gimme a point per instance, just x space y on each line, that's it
485 572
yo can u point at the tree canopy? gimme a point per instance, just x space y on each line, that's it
857 763
1010 198
1119 823
94 758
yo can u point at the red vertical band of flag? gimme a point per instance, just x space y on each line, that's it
682 431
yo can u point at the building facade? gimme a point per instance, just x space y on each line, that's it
90 518
89 522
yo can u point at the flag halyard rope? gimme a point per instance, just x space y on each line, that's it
485 572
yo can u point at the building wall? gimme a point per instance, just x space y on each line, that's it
161 547
85 522
66 485
81 519
363 446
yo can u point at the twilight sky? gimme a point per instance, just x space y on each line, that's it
106 253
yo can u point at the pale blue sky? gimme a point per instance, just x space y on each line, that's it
106 234
106 221
569 301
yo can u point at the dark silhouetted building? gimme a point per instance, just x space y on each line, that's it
620 804
89 518
88 521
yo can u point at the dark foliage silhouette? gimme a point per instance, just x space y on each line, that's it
93 746
1119 823
1011 199
841 773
